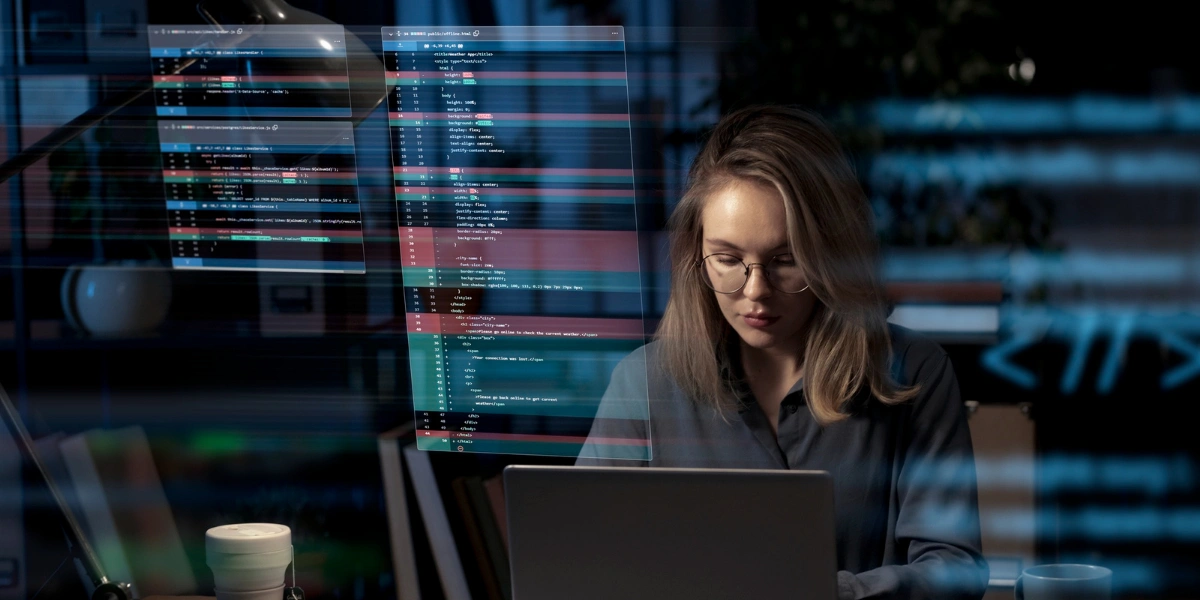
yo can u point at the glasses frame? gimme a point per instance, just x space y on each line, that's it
748 267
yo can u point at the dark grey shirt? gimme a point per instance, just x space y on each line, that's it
904 475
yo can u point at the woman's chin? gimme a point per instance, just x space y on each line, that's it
757 338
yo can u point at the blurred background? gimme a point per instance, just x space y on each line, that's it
1034 168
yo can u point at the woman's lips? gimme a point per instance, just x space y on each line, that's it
759 320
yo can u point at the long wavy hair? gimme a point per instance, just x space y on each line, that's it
831 234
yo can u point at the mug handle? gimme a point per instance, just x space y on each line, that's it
1018 589
66 293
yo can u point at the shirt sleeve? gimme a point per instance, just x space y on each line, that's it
938 516
622 415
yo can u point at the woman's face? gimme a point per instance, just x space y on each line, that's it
747 220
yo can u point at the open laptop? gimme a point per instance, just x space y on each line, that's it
650 533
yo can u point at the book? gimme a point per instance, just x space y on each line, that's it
50 456
400 530
124 510
494 544
474 530
12 542
494 486
437 524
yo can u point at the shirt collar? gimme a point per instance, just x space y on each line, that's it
734 376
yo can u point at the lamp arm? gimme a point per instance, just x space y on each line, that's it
94 568
55 139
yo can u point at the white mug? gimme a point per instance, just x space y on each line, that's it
249 560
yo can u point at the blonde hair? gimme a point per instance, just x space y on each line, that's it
830 232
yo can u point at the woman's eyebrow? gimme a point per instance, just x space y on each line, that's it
719 243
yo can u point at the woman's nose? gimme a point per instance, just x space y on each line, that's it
757 285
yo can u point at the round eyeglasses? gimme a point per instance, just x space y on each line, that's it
726 274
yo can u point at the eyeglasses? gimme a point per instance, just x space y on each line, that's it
726 274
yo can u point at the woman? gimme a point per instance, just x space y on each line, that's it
775 352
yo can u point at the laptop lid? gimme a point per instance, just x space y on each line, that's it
651 533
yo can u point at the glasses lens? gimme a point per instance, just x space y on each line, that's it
785 274
726 274
723 273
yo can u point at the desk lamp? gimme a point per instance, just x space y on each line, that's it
365 95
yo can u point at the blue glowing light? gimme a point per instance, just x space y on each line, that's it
1122 331
1079 351
1082 327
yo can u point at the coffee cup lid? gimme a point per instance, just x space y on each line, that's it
248 538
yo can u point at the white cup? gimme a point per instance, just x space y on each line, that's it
249 560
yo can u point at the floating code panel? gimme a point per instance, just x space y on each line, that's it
513 169
258 153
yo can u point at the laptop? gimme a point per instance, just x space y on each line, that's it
651 533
